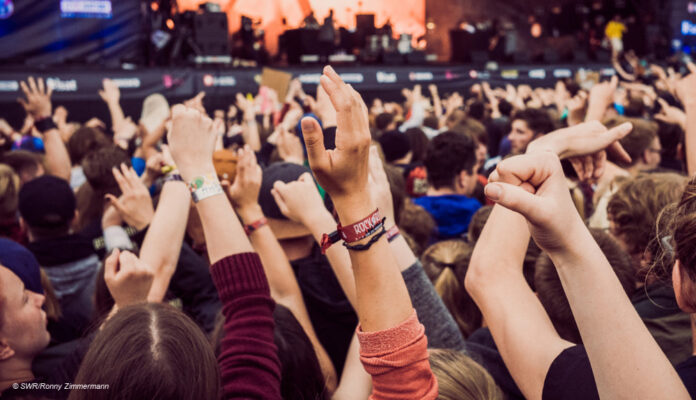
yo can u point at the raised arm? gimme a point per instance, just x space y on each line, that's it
38 106
244 194
111 95
248 360
686 90
388 324
534 186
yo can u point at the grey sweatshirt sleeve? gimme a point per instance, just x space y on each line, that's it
440 328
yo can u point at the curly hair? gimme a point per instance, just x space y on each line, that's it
448 155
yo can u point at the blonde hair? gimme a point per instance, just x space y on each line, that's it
9 192
446 264
461 378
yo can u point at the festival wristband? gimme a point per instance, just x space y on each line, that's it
204 186
45 124
393 233
353 232
254 226
174 176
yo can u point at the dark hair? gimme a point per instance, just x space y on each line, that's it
671 135
476 110
448 155
551 294
538 120
85 140
418 225
149 351
397 186
642 135
419 144
23 162
505 108
97 167
301 374
383 120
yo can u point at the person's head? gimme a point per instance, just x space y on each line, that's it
643 144
450 162
396 147
419 144
681 234
633 211
477 131
461 378
301 374
418 225
550 291
23 332
84 141
47 206
478 221
446 264
9 193
527 125
385 122
26 164
152 351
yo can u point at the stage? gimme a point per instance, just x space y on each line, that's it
77 87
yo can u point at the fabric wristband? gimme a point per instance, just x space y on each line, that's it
248 229
393 233
45 124
353 232
205 186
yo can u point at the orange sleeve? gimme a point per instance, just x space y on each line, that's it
397 360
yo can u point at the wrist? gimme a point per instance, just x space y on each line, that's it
188 173
353 208
250 213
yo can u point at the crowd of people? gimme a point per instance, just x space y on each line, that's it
510 242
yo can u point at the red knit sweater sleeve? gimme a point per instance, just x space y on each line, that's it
248 360
397 359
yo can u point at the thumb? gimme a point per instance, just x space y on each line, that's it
116 203
111 265
282 206
314 141
515 198
614 82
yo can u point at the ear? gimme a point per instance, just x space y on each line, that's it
684 289
462 182
6 351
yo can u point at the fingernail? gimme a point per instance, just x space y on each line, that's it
493 191
307 126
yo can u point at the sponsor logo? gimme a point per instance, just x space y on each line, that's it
60 85
352 78
537 74
219 81
169 81
386 77
510 74
688 28
420 76
6 9
127 83
9 86
562 73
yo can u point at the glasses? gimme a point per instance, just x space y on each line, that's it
658 151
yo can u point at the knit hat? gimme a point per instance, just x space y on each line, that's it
395 145
47 202
23 263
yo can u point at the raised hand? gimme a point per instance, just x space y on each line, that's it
671 114
289 147
110 93
585 146
38 102
534 185
196 102
601 97
127 278
135 204
300 200
244 192
342 172
192 142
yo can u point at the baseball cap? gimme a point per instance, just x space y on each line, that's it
22 263
47 202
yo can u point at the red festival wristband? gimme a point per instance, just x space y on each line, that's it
353 232
248 229
392 233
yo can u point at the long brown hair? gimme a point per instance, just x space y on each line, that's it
446 264
149 351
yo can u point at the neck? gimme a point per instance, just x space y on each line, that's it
443 191
14 370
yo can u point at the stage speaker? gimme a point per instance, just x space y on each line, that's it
479 57
364 27
210 33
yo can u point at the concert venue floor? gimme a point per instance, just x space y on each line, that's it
77 87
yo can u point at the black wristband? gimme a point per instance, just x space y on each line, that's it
44 125
366 246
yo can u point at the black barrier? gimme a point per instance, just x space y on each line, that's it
81 87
